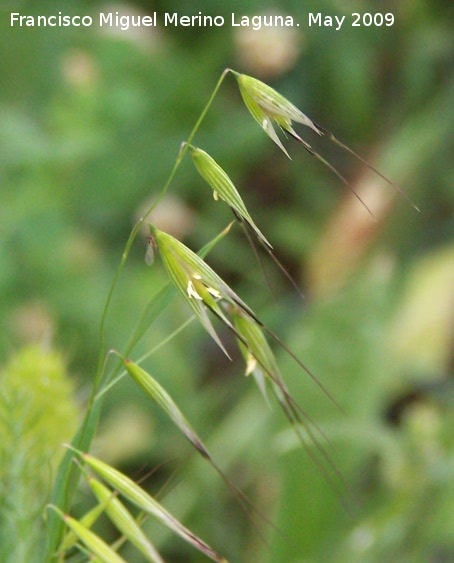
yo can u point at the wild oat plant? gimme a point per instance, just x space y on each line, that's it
208 297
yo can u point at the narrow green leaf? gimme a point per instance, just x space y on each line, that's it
152 311
67 478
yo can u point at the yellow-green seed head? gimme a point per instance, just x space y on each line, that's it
223 187
198 284
266 105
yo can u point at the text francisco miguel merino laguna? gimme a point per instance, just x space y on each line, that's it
124 22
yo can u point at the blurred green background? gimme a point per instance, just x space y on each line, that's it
90 125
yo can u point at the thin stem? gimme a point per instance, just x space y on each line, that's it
184 146
168 338
86 431
137 226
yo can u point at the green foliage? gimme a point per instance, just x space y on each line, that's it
37 415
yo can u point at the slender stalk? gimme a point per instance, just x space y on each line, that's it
168 338
135 230
67 477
